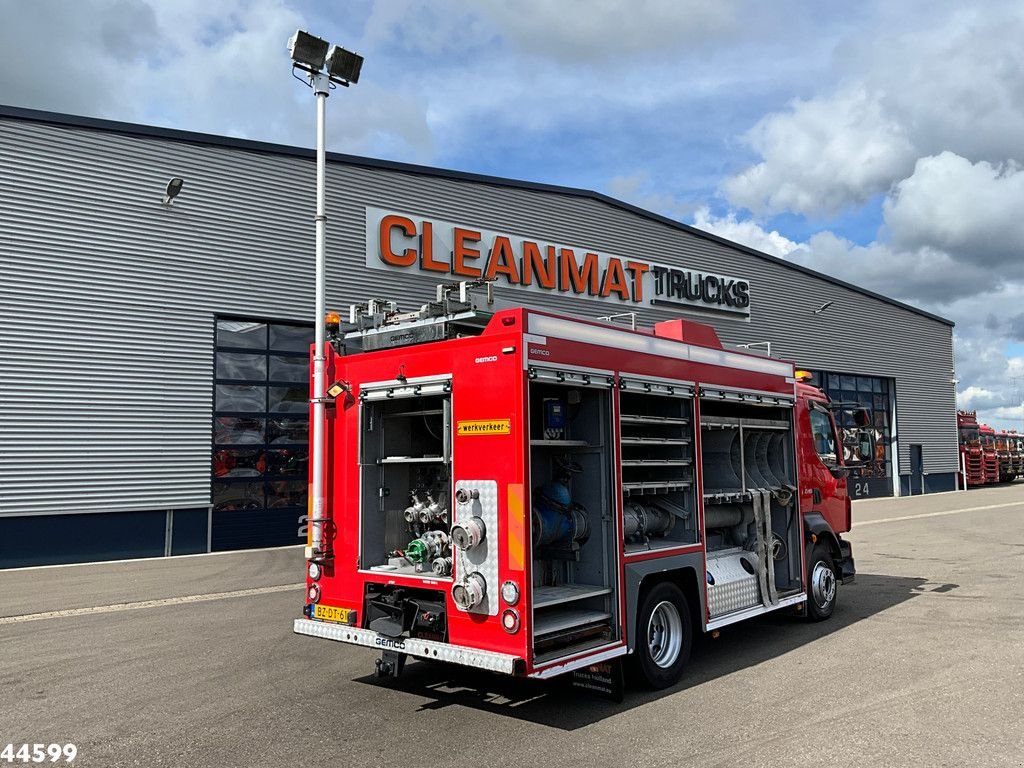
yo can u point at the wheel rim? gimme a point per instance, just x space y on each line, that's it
664 634
823 584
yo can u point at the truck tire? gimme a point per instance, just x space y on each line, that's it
664 636
822 584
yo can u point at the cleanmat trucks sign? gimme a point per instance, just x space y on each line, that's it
409 243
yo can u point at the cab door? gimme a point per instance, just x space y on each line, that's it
822 482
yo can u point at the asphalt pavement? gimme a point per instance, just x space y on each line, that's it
192 662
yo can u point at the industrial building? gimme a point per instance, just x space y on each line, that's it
154 352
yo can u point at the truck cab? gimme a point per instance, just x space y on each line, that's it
825 460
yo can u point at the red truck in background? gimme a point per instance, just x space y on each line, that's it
1008 453
986 456
972 459
990 460
536 495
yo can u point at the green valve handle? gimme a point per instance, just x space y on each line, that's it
417 551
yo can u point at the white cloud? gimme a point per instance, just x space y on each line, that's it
971 209
747 232
822 155
914 83
974 397
217 67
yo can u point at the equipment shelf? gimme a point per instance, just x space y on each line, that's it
559 621
656 462
630 440
656 486
560 444
632 418
726 422
545 597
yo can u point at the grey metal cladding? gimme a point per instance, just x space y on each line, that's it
107 299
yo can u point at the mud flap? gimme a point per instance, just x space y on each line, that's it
844 564
606 679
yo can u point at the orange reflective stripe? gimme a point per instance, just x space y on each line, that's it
516 528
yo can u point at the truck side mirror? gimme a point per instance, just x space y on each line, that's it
865 446
861 417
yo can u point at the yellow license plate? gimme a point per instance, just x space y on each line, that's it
331 613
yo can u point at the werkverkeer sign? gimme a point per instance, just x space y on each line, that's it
405 243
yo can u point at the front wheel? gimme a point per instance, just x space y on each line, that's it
822 585
664 636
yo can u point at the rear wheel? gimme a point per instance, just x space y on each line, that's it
822 585
664 636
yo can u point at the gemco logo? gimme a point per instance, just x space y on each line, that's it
403 242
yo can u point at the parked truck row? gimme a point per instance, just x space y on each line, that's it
987 456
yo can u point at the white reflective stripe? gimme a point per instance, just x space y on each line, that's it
428 649
755 611
654 345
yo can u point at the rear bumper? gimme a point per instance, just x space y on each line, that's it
844 565
424 649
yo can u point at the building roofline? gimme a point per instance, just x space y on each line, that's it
194 137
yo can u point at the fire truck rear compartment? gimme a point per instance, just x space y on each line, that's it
573 528
405 459
656 438
750 503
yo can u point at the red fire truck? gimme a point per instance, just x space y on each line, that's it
972 461
535 494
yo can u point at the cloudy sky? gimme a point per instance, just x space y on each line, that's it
881 142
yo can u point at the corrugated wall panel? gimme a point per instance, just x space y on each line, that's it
108 300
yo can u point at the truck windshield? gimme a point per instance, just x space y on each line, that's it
824 435
968 435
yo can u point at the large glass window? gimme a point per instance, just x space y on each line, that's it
260 432
875 394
